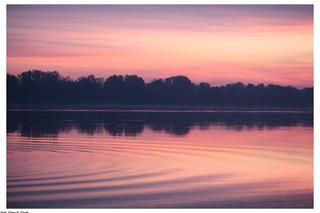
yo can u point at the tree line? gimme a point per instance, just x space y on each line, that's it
37 86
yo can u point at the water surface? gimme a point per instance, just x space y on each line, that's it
102 159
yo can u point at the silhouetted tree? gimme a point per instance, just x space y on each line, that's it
114 87
180 89
41 86
134 88
307 96
203 93
89 88
13 88
36 84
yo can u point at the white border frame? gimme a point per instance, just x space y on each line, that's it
3 23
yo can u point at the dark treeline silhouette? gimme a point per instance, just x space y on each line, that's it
44 124
37 86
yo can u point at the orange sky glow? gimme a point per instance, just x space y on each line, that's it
217 44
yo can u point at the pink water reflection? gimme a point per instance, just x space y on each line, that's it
209 167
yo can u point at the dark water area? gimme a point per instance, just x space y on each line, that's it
159 158
132 123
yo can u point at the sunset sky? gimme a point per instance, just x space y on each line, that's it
217 44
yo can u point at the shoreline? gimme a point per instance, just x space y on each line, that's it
152 108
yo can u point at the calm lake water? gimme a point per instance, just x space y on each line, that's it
102 159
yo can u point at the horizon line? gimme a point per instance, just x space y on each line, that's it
153 79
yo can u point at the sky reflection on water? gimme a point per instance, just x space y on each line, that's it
137 159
